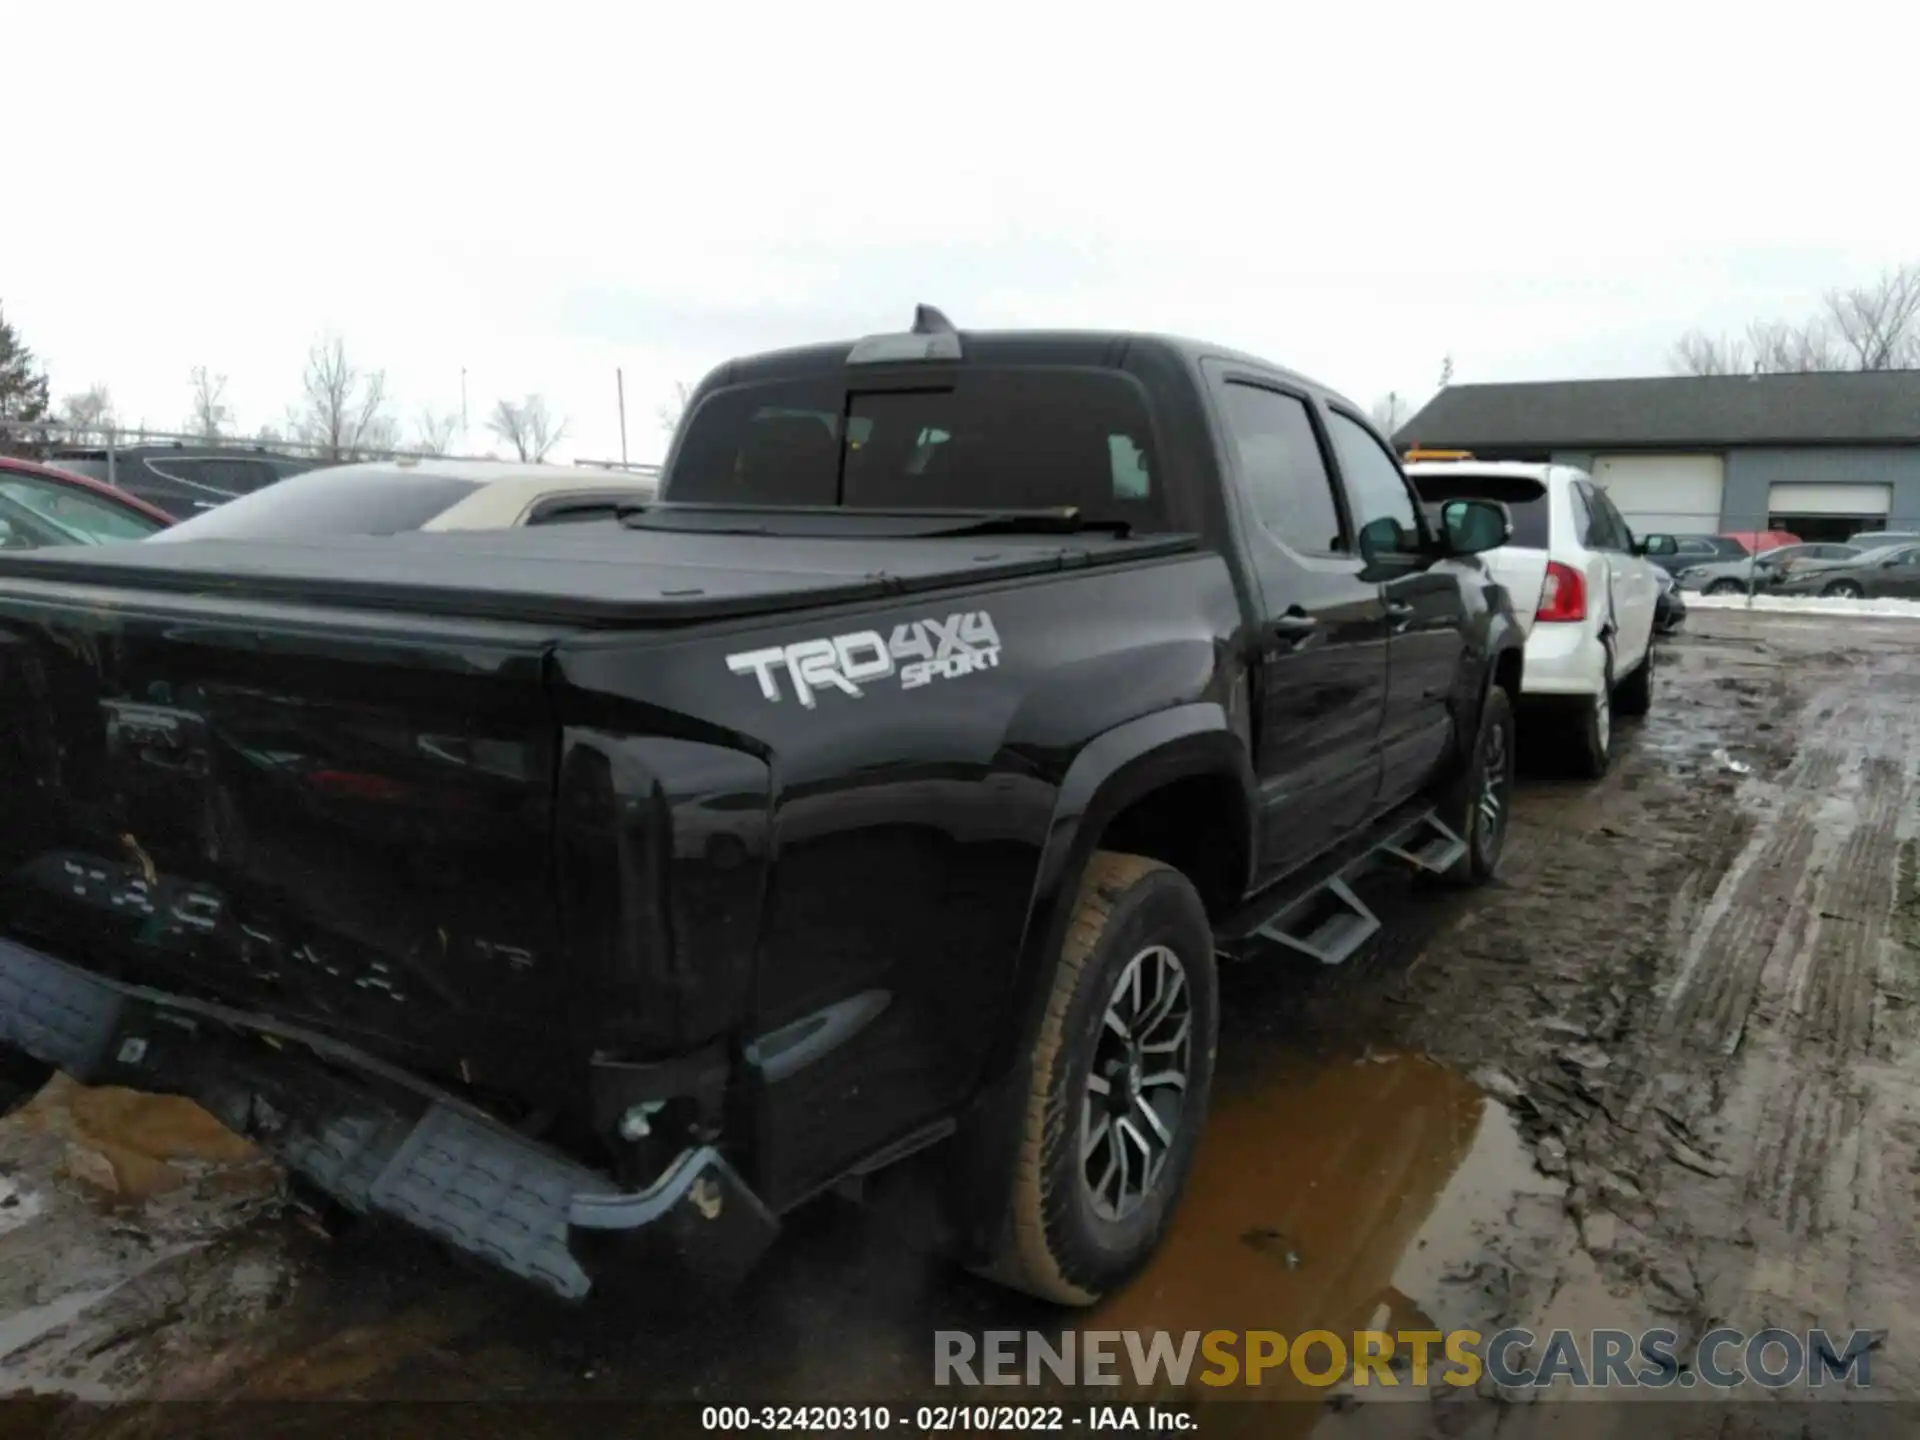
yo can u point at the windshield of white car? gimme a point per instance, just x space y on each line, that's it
351 500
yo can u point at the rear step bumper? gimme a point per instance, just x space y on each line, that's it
412 1154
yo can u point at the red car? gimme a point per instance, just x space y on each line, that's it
42 506
1758 542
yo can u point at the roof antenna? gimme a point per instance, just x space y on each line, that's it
929 321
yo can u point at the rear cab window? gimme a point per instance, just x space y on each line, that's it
1524 496
972 437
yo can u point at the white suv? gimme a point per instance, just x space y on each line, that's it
1581 587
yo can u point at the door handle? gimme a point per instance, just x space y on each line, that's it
1295 625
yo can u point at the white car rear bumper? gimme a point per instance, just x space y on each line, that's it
1563 659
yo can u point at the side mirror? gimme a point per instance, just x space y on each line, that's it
1471 527
1385 539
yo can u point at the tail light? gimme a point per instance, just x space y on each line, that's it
1563 596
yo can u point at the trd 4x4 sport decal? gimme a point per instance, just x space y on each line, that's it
918 652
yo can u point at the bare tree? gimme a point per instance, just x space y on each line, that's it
1390 412
1778 348
529 427
343 412
1868 327
1879 324
211 415
1697 353
670 414
88 416
434 431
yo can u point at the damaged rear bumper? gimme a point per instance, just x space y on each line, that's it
381 1143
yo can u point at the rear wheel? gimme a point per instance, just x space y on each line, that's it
1120 1078
1726 587
1589 728
1845 590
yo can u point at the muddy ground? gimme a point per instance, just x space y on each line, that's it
1665 1072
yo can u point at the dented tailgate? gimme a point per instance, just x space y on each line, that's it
307 815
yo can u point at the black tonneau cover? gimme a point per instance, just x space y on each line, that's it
587 575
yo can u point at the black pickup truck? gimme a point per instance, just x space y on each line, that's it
590 895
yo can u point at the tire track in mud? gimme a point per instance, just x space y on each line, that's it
1831 992
1786 966
1795 1173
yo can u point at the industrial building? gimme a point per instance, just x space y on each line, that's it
1822 455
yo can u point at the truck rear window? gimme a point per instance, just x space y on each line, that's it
984 439
1526 499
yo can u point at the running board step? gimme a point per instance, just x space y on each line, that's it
1328 925
1427 845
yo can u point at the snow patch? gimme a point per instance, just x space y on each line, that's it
1807 605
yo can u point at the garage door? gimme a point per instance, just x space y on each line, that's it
1873 501
1664 494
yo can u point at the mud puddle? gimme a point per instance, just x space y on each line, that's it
116 1205
1334 1193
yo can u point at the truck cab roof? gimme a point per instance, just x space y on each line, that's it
1085 348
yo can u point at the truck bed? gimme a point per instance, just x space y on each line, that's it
599 575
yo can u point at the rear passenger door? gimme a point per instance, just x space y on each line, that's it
1319 657
1425 611
1632 589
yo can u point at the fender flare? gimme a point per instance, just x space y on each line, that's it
1111 771
1503 637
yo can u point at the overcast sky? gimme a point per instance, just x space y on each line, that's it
543 193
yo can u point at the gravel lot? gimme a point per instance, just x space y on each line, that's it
1663 1073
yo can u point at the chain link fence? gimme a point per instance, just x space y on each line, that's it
49 440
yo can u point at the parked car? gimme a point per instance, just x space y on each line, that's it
1889 570
1673 553
41 505
1581 586
387 497
426 810
1874 539
181 480
1670 610
1757 572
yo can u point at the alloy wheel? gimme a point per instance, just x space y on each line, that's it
1496 780
1136 1090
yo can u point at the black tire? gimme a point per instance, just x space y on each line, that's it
1635 696
1060 1246
1845 590
1589 729
21 1078
1477 807
1726 587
